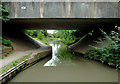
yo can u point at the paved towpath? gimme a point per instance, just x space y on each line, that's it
22 47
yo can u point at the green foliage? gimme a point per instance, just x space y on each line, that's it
64 54
110 54
6 42
40 34
14 63
91 33
4 13
45 40
67 36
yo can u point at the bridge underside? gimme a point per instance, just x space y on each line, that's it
62 24
14 26
84 24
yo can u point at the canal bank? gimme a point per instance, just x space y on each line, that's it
25 55
67 67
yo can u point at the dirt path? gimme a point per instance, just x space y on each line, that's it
23 45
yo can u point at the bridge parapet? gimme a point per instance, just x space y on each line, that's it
63 9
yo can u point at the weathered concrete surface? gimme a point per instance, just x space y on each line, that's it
63 9
83 44
60 15
34 58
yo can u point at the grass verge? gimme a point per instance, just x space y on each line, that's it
14 63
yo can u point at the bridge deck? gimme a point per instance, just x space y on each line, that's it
85 25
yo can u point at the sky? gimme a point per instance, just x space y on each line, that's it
50 31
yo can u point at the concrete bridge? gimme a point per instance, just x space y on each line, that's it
84 16
63 9
63 15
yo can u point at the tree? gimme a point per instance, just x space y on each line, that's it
4 13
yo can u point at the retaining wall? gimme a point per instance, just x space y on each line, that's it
7 76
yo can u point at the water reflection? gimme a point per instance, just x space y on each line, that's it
72 69
55 59
60 55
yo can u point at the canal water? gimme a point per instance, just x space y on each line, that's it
67 67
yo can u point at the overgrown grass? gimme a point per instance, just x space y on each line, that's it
45 40
48 39
14 63
110 54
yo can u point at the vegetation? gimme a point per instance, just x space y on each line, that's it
4 13
39 35
14 63
64 54
67 36
6 43
110 54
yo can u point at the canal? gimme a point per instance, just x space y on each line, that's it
63 66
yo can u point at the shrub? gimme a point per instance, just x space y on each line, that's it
4 13
67 36
6 42
40 34
109 54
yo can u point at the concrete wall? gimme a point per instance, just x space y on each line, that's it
63 9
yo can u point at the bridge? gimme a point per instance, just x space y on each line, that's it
63 9
83 16
66 15
63 15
